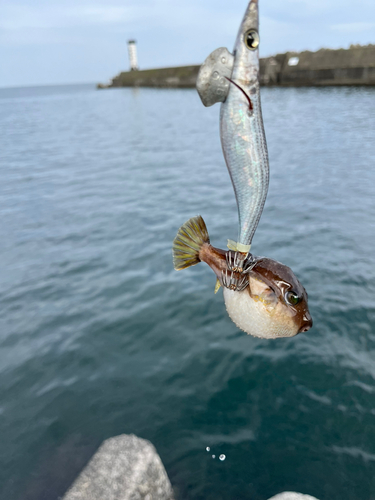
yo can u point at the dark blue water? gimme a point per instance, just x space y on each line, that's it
100 336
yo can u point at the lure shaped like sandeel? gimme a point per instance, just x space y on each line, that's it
233 80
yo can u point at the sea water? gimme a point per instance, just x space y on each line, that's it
100 336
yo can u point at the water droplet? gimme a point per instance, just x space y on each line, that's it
208 448
222 457
213 456
223 60
215 75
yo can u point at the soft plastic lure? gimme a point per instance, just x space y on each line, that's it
234 81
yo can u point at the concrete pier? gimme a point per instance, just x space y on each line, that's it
181 77
354 66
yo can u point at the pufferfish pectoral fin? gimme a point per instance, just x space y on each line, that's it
212 84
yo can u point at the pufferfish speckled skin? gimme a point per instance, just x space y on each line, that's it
273 304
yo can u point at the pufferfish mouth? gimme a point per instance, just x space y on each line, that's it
306 325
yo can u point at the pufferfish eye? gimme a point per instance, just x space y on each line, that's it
252 39
292 298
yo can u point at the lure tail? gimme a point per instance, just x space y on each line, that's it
189 240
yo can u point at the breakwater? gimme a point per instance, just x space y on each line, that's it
353 66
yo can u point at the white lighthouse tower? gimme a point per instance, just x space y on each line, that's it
132 47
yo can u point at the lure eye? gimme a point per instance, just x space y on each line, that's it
292 298
252 39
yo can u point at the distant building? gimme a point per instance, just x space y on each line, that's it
132 47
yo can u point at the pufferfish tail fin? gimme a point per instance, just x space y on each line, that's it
189 240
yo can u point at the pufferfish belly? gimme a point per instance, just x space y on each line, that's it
257 317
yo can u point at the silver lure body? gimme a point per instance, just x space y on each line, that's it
241 128
242 132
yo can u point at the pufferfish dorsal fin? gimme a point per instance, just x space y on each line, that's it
217 285
212 84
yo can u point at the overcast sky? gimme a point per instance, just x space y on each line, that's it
68 41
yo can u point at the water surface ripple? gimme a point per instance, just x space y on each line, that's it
100 336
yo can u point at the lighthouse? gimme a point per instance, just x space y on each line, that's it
132 47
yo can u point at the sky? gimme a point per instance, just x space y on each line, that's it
72 41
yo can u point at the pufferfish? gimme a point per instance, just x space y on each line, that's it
270 303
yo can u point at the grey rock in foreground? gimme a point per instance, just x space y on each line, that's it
124 468
291 495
